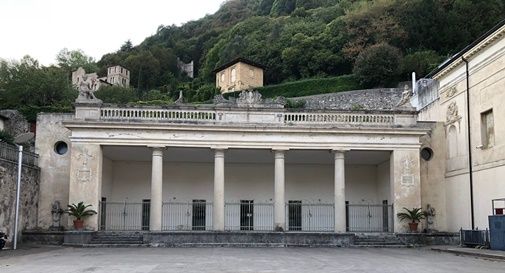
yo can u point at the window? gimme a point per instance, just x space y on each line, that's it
222 77
233 75
426 153
487 128
60 147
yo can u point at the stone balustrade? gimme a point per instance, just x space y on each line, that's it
245 116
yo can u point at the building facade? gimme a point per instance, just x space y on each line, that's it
239 74
467 104
234 165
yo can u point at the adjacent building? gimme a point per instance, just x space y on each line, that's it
116 75
239 74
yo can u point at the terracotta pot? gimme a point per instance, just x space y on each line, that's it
413 226
78 224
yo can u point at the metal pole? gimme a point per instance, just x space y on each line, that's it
18 188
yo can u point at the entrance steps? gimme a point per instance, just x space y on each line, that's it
380 240
117 239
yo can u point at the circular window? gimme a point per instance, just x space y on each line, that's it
426 153
61 147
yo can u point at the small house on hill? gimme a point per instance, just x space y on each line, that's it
239 74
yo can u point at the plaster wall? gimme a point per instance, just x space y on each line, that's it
487 81
54 168
183 182
247 76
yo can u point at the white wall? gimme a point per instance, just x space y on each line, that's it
183 182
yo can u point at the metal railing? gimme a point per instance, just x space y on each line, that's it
310 216
474 237
369 218
249 216
123 216
10 153
184 216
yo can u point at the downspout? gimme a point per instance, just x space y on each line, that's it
470 169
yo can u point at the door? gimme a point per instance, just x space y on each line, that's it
103 213
146 213
246 215
198 215
385 216
295 215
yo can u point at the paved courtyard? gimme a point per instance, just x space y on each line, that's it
59 259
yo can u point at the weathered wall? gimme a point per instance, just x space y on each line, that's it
29 197
247 76
369 99
486 84
54 168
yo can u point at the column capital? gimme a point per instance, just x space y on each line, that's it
219 148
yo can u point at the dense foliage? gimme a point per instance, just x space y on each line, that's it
381 41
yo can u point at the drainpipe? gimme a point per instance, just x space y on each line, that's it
470 169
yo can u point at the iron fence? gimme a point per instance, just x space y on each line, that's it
123 216
10 152
474 237
247 215
310 216
196 215
369 218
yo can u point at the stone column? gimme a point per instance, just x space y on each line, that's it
405 183
218 204
156 190
279 192
339 182
85 183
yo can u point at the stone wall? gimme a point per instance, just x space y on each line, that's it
15 123
369 99
29 197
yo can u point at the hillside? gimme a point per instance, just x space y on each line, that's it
298 39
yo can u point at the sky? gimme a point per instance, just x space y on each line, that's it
41 28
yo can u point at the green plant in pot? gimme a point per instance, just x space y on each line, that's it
79 211
413 216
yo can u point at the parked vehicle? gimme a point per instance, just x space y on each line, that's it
3 239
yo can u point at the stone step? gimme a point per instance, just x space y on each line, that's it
114 245
116 242
377 243
118 238
380 246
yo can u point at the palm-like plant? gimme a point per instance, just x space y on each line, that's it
80 210
413 215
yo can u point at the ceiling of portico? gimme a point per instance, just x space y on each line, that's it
203 155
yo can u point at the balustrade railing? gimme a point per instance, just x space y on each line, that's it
248 215
310 216
215 116
132 114
10 152
185 216
369 218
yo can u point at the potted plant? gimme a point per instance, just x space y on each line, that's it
414 216
79 211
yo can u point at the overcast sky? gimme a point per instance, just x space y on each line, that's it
41 28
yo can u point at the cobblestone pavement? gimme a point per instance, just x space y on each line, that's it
64 259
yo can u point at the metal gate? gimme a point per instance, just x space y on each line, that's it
369 218
123 216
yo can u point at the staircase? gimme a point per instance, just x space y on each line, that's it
380 240
117 239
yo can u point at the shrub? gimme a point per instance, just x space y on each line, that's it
378 65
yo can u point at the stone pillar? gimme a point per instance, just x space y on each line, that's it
339 195
405 183
85 183
156 190
218 204
279 192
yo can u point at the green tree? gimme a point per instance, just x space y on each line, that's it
116 94
378 65
70 60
